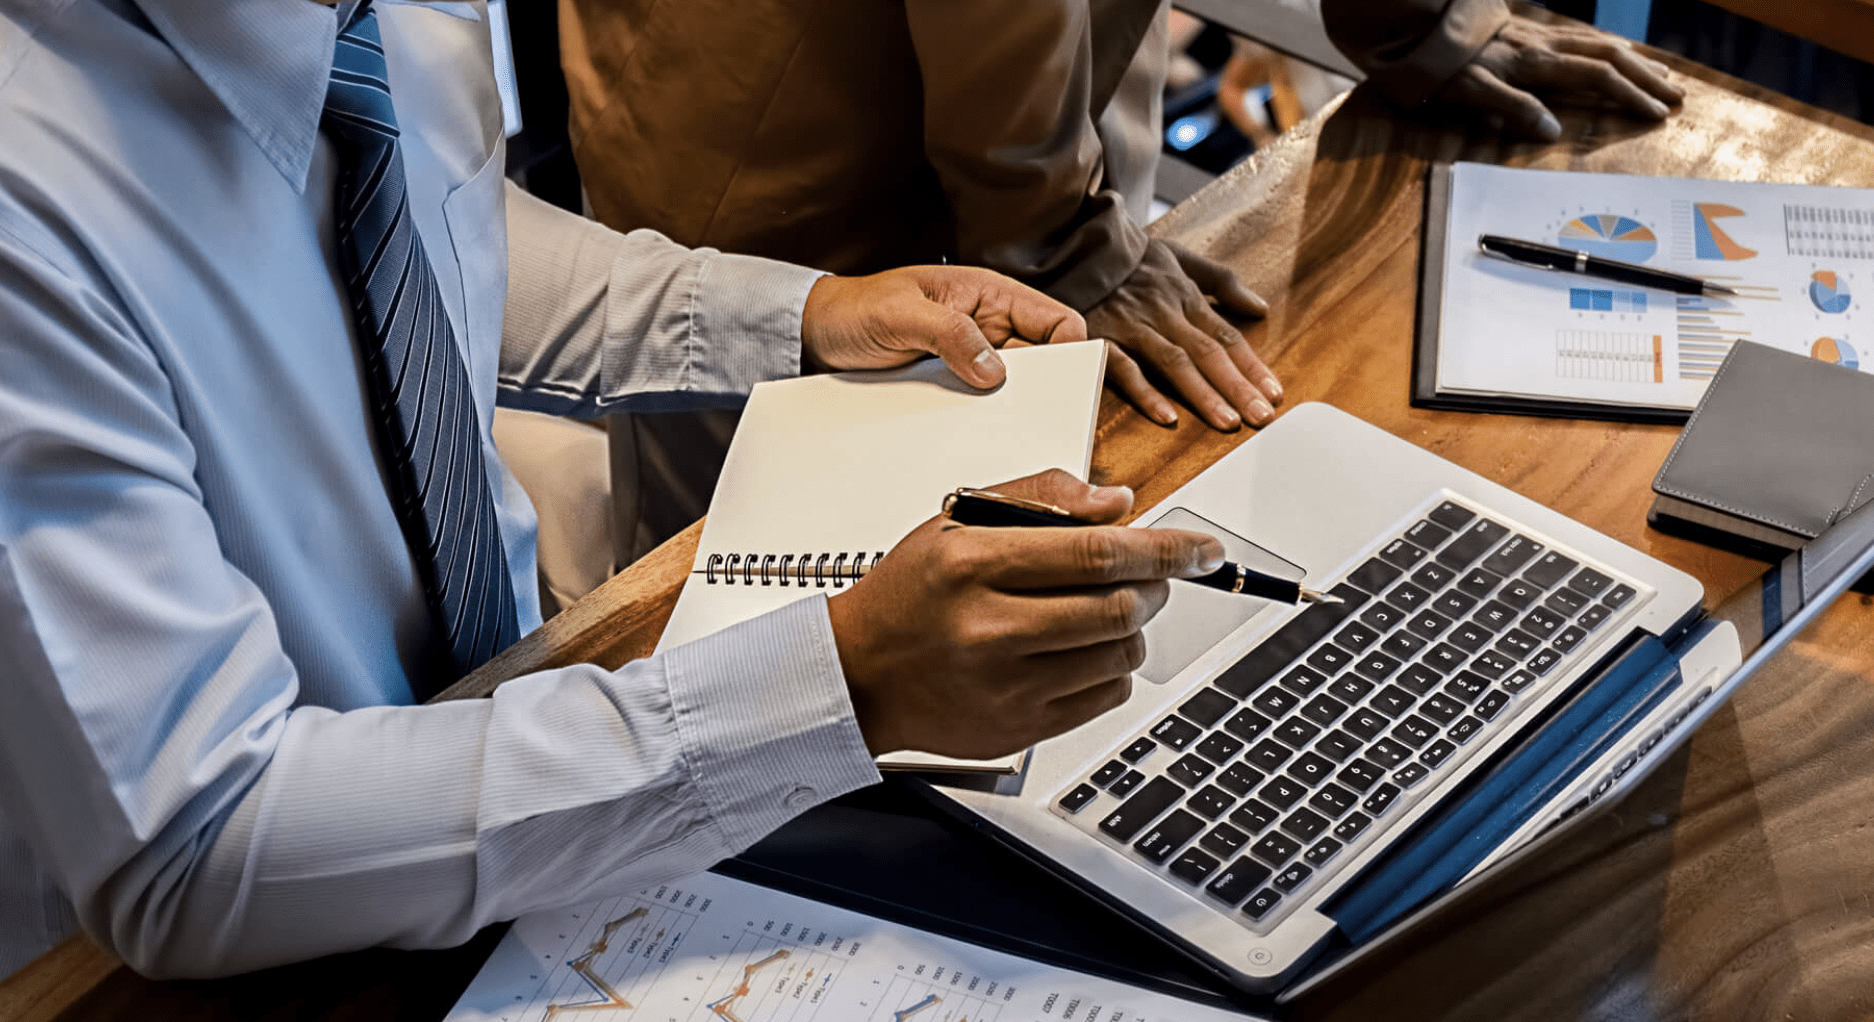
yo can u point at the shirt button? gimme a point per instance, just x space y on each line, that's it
800 798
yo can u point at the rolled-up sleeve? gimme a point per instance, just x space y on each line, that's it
598 321
1410 48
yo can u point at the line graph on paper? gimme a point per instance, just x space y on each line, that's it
908 998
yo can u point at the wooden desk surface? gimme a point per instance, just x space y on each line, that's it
1737 882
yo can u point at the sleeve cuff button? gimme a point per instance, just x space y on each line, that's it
800 798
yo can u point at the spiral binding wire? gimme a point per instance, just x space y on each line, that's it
791 569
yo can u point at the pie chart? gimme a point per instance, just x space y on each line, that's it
1828 349
1829 292
1609 236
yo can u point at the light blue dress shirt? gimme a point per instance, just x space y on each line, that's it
206 604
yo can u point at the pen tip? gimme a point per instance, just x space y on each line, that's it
1315 597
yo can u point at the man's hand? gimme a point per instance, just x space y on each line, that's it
1577 65
959 313
977 642
1160 316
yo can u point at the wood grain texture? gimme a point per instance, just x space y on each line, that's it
1736 883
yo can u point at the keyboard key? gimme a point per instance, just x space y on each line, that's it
1211 802
1618 596
1189 771
1410 774
1138 750
1176 732
1464 730
1517 643
1441 708
1492 664
1428 624
1402 645
1168 836
1468 637
1551 568
1568 638
1337 745
1193 866
1261 903
1305 824
1332 800
1275 848
1491 704
1428 534
1124 785
1382 615
1247 724
1235 883
1324 709
1276 702
1207 707
1478 582
1374 576
1329 658
1296 733
1282 792
1077 799
1454 604
1361 775
1418 679
1414 730
1513 554
1254 815
1350 828
1408 596
1218 747
1366 723
1288 642
1401 554
1142 808
1437 752
1471 544
1376 666
1444 657
1566 602
1433 576
1269 754
1451 516
1301 681
1381 799
1387 753
1519 594
1109 773
1543 661
1310 769
1593 616
1322 851
1589 582
1292 877
1494 615
1393 701
1467 686
1355 636
1224 841
1517 681
1350 688
1239 778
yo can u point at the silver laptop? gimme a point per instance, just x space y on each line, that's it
1289 787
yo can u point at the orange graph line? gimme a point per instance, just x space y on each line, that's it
725 1008
583 967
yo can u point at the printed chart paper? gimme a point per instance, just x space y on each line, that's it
714 949
1801 258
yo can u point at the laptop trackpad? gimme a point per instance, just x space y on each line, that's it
1195 618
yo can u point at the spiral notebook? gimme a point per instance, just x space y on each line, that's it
827 473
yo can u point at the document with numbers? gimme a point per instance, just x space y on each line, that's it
1501 336
714 949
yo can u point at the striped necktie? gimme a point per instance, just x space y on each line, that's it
420 395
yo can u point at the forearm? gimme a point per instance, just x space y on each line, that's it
599 321
1410 48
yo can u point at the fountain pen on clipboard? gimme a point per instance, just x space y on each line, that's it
1568 260
989 508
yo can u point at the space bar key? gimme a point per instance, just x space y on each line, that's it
1288 642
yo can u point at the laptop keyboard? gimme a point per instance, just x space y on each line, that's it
1315 743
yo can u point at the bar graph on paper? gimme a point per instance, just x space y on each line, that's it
1609 357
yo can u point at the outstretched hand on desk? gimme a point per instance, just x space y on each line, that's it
978 642
958 313
1526 59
